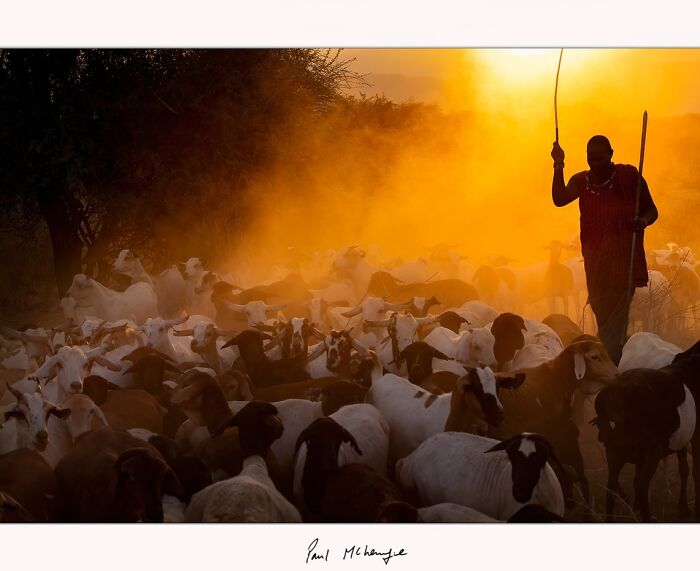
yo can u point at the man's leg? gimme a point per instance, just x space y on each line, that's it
610 310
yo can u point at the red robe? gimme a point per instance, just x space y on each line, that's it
606 233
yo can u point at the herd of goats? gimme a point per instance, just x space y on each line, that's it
348 388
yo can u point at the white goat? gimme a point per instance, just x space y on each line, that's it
371 432
645 350
472 348
495 478
138 302
414 414
168 285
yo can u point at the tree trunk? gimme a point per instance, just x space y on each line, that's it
67 246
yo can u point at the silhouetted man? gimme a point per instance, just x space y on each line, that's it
606 196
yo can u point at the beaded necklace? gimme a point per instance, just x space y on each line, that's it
598 187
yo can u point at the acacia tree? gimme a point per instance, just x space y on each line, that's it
104 145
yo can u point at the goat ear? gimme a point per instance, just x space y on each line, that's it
135 367
347 437
439 354
233 421
13 413
300 440
173 487
579 365
232 341
511 381
124 464
60 412
501 445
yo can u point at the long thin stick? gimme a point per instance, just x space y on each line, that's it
556 89
630 288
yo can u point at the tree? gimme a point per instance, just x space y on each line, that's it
106 146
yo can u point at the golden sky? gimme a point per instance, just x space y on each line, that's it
488 188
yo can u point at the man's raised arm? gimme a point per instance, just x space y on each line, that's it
562 194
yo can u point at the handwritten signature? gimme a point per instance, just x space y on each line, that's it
314 553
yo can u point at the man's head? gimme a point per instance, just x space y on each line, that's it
599 154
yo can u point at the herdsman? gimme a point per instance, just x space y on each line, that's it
606 198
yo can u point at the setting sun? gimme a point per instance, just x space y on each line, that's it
518 66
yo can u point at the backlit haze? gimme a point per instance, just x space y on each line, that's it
481 177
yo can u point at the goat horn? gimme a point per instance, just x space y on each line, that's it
10 333
14 391
234 306
176 321
317 352
183 332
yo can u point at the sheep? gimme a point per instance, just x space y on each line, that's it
202 400
25 422
415 415
455 513
318 310
255 311
541 344
643 416
251 496
130 408
138 302
646 350
207 344
371 308
350 493
562 325
112 476
262 371
419 360
84 416
402 330
371 433
453 320
27 477
11 511
69 366
549 388
495 478
349 263
159 336
337 346
507 330
420 305
36 347
169 285
148 369
472 348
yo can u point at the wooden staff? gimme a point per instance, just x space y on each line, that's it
556 89
630 286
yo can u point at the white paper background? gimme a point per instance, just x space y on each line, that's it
320 23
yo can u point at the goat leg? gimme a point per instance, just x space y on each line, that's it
683 470
615 464
642 478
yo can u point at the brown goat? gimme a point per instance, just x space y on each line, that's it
112 476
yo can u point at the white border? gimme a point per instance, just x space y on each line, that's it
356 23
350 23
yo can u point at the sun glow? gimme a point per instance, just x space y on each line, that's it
519 66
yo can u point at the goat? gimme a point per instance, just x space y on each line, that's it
138 302
643 416
251 496
112 476
495 478
415 415
327 486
